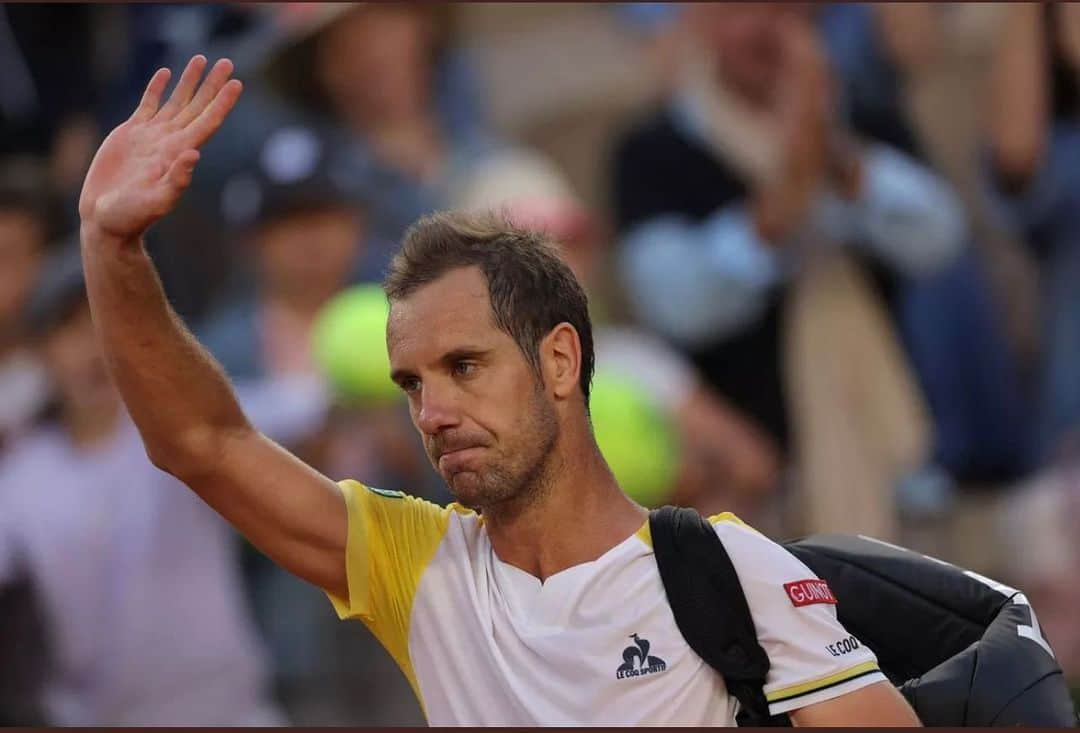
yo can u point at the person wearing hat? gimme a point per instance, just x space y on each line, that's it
298 211
388 79
137 579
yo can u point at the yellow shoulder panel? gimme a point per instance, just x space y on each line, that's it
392 538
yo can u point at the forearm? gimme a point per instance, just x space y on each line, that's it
176 393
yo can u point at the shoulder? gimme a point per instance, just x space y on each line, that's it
401 516
761 563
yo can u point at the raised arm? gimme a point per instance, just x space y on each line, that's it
177 394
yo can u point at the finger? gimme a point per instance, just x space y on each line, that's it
207 123
185 88
152 96
180 172
213 83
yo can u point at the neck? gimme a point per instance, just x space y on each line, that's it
579 515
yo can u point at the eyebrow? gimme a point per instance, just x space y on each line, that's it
454 355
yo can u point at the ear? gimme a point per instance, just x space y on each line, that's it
560 360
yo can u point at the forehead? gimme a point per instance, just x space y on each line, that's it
449 313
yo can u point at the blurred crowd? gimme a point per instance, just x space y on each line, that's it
833 249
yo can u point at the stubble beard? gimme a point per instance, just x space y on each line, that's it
523 475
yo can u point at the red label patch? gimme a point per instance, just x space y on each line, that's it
807 592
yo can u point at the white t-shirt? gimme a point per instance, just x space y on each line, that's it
485 643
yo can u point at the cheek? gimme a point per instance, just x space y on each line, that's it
517 406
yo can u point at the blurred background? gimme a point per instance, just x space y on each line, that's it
832 253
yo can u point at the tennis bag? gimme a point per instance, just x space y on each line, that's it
963 649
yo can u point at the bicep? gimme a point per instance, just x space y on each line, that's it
284 507
879 704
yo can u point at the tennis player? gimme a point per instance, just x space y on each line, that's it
535 597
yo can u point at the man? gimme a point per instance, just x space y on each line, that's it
753 255
136 579
548 608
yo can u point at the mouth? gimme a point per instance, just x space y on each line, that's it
455 461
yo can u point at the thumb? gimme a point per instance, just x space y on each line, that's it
180 172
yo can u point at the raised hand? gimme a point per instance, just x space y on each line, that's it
802 108
146 163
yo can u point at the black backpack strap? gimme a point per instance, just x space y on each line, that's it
710 608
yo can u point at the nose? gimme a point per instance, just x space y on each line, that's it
438 410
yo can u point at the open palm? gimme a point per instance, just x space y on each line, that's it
144 165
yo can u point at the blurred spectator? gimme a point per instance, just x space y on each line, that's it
301 217
914 75
299 222
561 78
390 79
25 227
136 576
1034 156
740 184
726 463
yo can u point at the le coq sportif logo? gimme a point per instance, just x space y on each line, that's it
637 661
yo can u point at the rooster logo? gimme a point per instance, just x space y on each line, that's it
637 661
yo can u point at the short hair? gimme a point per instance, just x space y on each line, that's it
531 288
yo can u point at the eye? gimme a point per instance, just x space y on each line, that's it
464 368
409 385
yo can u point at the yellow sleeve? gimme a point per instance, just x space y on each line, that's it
392 537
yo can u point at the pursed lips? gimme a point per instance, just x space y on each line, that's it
453 459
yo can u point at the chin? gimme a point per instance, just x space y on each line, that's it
466 488
472 491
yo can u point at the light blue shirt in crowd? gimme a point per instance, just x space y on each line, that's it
697 282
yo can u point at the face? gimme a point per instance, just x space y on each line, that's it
308 256
72 357
746 41
376 61
488 424
21 247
